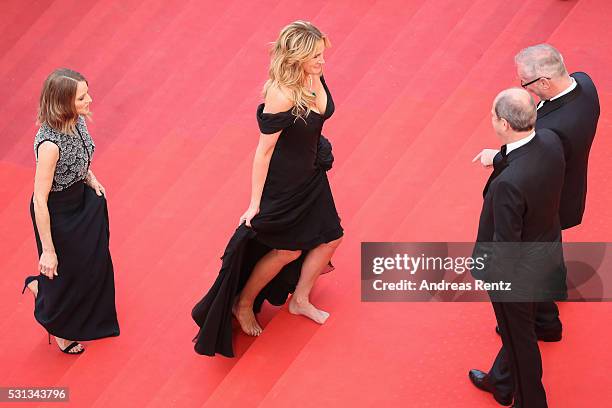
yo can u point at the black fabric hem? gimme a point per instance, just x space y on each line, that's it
323 238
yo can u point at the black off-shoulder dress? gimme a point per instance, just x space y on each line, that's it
297 212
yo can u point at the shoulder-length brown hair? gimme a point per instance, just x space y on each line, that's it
56 107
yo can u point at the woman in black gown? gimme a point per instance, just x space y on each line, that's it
75 290
291 228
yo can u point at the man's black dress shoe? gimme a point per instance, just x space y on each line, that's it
481 381
545 336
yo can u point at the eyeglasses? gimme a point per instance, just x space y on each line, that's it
531 82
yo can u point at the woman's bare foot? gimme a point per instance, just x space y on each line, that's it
63 343
305 308
33 287
245 316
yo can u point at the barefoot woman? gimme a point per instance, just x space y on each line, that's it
75 291
291 229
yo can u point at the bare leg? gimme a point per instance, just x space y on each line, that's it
33 287
266 269
311 269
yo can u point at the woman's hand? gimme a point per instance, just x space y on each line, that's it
93 182
48 264
248 216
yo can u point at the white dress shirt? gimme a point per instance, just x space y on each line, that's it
515 145
560 94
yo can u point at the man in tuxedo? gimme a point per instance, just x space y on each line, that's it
521 207
568 105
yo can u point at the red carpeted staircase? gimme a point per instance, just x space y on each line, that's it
175 85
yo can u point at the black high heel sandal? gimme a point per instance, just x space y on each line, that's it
67 349
28 280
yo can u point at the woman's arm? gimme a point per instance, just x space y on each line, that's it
261 163
275 102
48 154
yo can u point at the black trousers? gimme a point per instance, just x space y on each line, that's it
546 319
518 366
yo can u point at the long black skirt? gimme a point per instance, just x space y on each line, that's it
79 303
300 221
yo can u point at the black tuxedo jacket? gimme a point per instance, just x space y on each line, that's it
574 118
519 224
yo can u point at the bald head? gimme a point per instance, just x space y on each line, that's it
517 107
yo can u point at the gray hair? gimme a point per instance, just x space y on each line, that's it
517 107
542 60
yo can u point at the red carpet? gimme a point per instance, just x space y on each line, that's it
175 86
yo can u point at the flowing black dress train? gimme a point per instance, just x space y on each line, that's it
79 303
297 212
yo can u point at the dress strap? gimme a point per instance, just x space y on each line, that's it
270 123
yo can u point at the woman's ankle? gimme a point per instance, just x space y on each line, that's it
243 303
300 299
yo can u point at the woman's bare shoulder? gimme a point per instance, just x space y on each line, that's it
48 152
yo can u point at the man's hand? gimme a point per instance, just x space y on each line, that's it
485 157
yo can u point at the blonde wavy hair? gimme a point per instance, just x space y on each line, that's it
56 107
295 45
